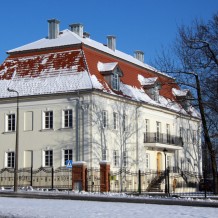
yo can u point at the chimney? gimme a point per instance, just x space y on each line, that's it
53 28
77 28
111 42
139 55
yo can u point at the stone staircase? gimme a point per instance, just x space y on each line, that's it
155 185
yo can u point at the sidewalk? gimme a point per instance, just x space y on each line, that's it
112 198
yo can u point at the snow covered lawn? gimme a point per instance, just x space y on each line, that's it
22 207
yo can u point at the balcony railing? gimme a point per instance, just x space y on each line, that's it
153 137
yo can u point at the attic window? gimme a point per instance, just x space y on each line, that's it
151 86
115 81
183 97
111 73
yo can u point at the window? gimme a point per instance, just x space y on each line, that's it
10 156
125 159
146 133
147 161
124 123
158 134
115 81
104 119
48 119
155 93
168 133
116 158
68 155
68 118
115 120
48 158
104 154
194 138
11 122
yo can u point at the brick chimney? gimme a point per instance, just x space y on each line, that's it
53 28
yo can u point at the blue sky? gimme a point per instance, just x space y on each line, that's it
145 25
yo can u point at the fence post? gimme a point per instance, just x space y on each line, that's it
168 181
52 178
31 176
139 182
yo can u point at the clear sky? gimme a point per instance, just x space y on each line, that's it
145 25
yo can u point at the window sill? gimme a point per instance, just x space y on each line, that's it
47 130
65 128
9 132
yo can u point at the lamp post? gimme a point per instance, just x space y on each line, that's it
16 143
165 172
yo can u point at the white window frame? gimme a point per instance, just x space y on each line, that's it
104 119
50 116
115 81
48 154
66 154
10 159
147 161
115 120
116 158
104 154
168 133
146 133
125 158
11 121
158 131
125 123
67 118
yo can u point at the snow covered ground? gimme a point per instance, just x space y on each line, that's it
21 207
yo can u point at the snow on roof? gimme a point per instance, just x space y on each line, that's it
103 67
46 85
67 37
180 93
65 70
147 81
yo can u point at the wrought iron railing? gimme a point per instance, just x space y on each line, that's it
153 137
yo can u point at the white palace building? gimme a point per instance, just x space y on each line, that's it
88 102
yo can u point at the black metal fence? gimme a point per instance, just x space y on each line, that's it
172 181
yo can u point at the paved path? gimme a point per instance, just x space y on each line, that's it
106 198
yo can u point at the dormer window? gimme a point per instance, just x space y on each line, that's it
115 81
111 73
183 97
151 86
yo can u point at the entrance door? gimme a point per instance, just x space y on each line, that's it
159 162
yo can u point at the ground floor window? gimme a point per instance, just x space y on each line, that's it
10 159
68 155
48 158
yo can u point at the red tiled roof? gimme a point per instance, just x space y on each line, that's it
130 71
46 62
50 61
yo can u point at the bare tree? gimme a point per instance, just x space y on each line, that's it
193 61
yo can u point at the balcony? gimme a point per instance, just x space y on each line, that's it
153 139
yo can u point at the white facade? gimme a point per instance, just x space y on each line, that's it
109 128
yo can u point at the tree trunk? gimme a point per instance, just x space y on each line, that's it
206 136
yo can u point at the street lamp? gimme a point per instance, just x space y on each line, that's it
165 173
16 143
